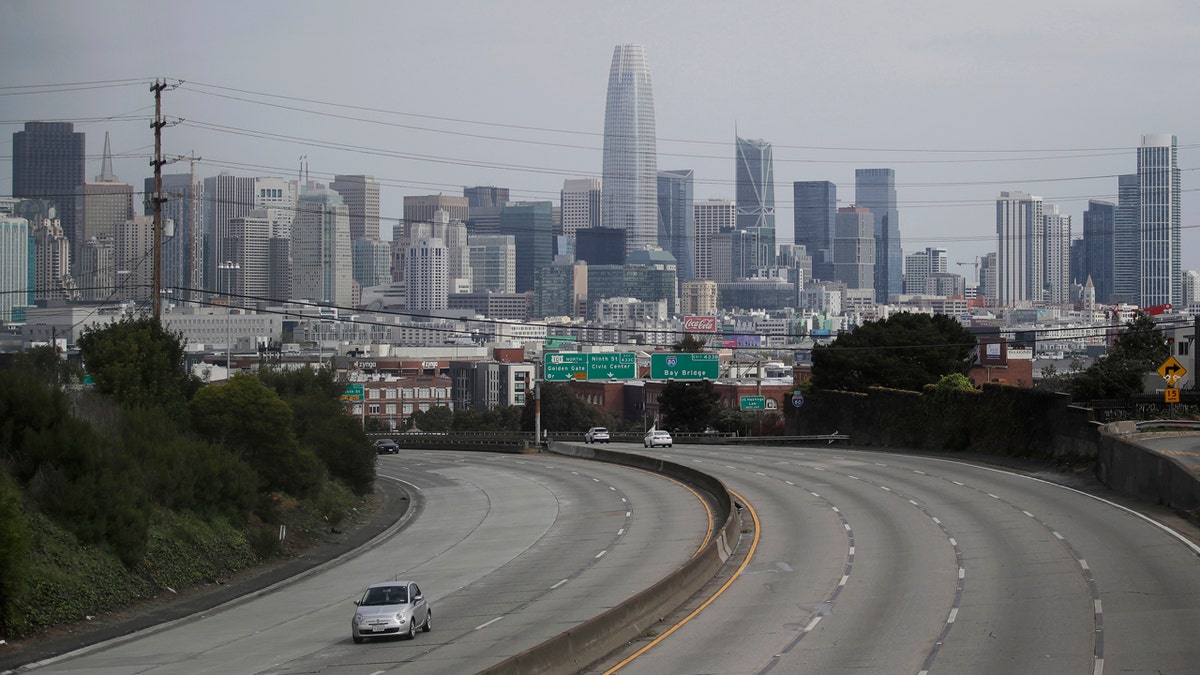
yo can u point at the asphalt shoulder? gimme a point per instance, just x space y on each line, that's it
393 504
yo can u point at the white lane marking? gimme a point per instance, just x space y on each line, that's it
812 624
847 526
815 495
1098 609
596 479
835 509
953 542
992 496
913 502
1099 669
790 483
884 487
852 477
956 482
628 514
1028 514
485 625
612 488
1057 535
920 472
558 584
760 473
600 554
845 578
962 572
574 473
620 531
1083 564
851 550
953 615
936 521
624 501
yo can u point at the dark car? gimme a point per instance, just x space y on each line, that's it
386 446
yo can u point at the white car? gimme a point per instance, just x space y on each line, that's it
391 608
657 437
596 435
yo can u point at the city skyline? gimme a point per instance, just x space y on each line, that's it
952 156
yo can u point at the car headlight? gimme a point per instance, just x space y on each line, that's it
400 619
357 619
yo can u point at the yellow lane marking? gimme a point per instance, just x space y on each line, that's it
706 603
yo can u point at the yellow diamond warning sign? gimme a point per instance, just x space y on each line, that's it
1172 371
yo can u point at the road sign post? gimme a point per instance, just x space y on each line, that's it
1172 371
685 366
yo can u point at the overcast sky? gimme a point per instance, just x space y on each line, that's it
963 99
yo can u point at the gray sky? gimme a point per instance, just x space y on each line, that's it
963 99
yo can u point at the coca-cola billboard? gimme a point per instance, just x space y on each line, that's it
699 324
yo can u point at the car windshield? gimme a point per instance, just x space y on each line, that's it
600 430
385 595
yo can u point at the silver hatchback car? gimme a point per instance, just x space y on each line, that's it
391 608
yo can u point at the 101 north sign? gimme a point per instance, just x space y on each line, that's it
563 366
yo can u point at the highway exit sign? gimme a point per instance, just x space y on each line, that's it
684 366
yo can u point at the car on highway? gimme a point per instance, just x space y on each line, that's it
391 608
657 437
596 435
386 446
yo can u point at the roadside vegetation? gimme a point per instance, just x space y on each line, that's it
150 482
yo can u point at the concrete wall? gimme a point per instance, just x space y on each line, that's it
1139 472
577 648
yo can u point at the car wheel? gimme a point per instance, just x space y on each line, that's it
357 639
412 630
428 622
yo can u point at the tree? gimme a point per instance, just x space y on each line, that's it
138 363
438 419
688 406
905 351
562 410
251 421
689 343
1138 350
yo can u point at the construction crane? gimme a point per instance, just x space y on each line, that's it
972 264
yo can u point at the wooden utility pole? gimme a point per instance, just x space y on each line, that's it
157 198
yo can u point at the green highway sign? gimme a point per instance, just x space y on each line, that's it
354 392
556 341
562 366
612 366
685 366
754 403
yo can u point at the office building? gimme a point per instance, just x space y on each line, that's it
321 260
1019 256
920 266
361 195
1127 241
755 188
484 203
561 290
676 220
1056 255
97 271
854 248
493 263
51 255
372 261
875 189
630 171
698 298
1099 253
247 273
600 246
420 209
1159 222
133 250
427 275
182 243
15 275
225 197
711 217
531 226
580 200
48 160
814 213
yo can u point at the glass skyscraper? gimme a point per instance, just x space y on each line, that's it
1127 267
1098 224
756 198
875 189
814 213
1159 223
630 174
676 220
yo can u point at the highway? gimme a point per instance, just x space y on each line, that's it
509 549
883 563
862 562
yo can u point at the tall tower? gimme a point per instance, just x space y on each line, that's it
102 206
1127 266
854 248
361 194
321 266
630 172
48 163
756 197
1159 219
875 189
676 220
580 200
1056 255
814 213
225 197
711 216
1019 249
1098 253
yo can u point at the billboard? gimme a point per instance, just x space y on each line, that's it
699 324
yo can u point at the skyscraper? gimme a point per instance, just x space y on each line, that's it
225 197
182 244
361 194
1160 224
1127 264
630 171
532 227
48 163
1056 255
814 213
14 269
755 186
321 267
676 220
920 266
875 189
1019 249
484 203
580 200
711 216
102 206
1098 252
854 248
